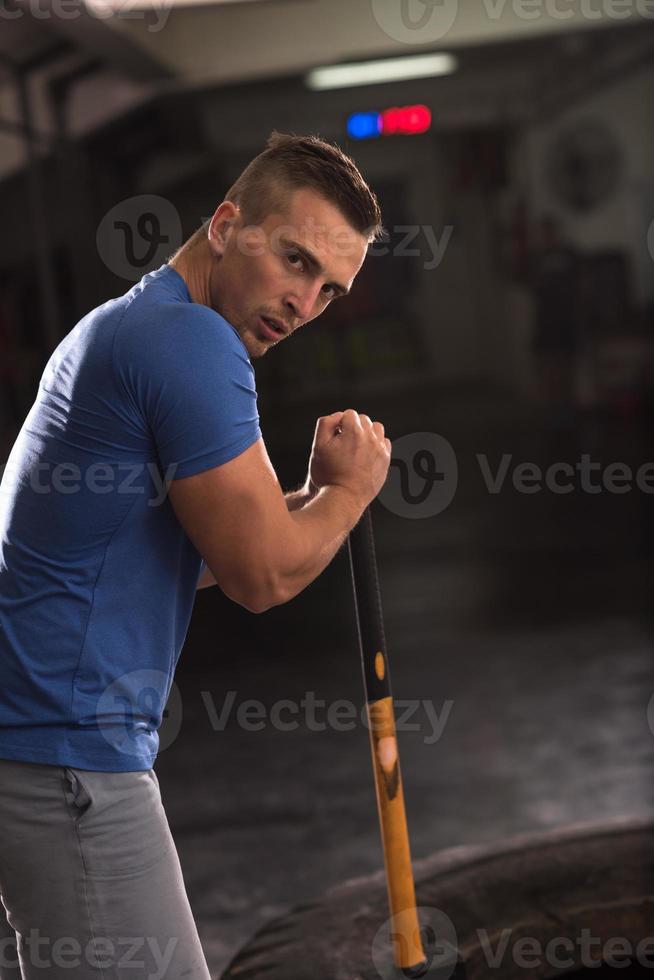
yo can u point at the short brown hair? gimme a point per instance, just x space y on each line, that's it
292 162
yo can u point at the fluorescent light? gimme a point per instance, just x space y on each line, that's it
385 70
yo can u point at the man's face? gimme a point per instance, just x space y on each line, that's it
287 269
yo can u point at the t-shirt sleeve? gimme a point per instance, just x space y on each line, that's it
190 378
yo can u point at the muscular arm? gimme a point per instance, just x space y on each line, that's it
295 500
260 552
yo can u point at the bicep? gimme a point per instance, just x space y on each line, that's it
236 517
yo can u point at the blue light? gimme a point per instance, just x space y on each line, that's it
364 125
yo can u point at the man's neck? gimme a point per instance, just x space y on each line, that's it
193 263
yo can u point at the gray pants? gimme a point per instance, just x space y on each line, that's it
90 879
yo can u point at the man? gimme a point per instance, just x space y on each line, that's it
98 566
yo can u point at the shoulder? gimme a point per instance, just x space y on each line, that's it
177 330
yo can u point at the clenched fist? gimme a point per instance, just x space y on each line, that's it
351 451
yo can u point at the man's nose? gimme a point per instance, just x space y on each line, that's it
302 301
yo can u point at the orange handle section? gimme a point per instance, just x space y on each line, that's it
407 942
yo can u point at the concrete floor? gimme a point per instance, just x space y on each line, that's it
524 621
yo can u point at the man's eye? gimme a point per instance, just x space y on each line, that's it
295 255
330 290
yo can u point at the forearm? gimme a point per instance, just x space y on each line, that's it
319 529
297 499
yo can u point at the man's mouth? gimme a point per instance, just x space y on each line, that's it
274 329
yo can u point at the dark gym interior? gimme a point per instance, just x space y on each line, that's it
505 329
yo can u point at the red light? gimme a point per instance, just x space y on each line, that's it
418 119
408 121
390 121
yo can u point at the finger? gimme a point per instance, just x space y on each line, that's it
378 428
388 444
366 421
326 419
328 424
350 419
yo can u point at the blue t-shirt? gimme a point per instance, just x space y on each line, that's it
97 576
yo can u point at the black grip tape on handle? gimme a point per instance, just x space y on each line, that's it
368 607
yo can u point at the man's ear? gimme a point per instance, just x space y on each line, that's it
222 225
